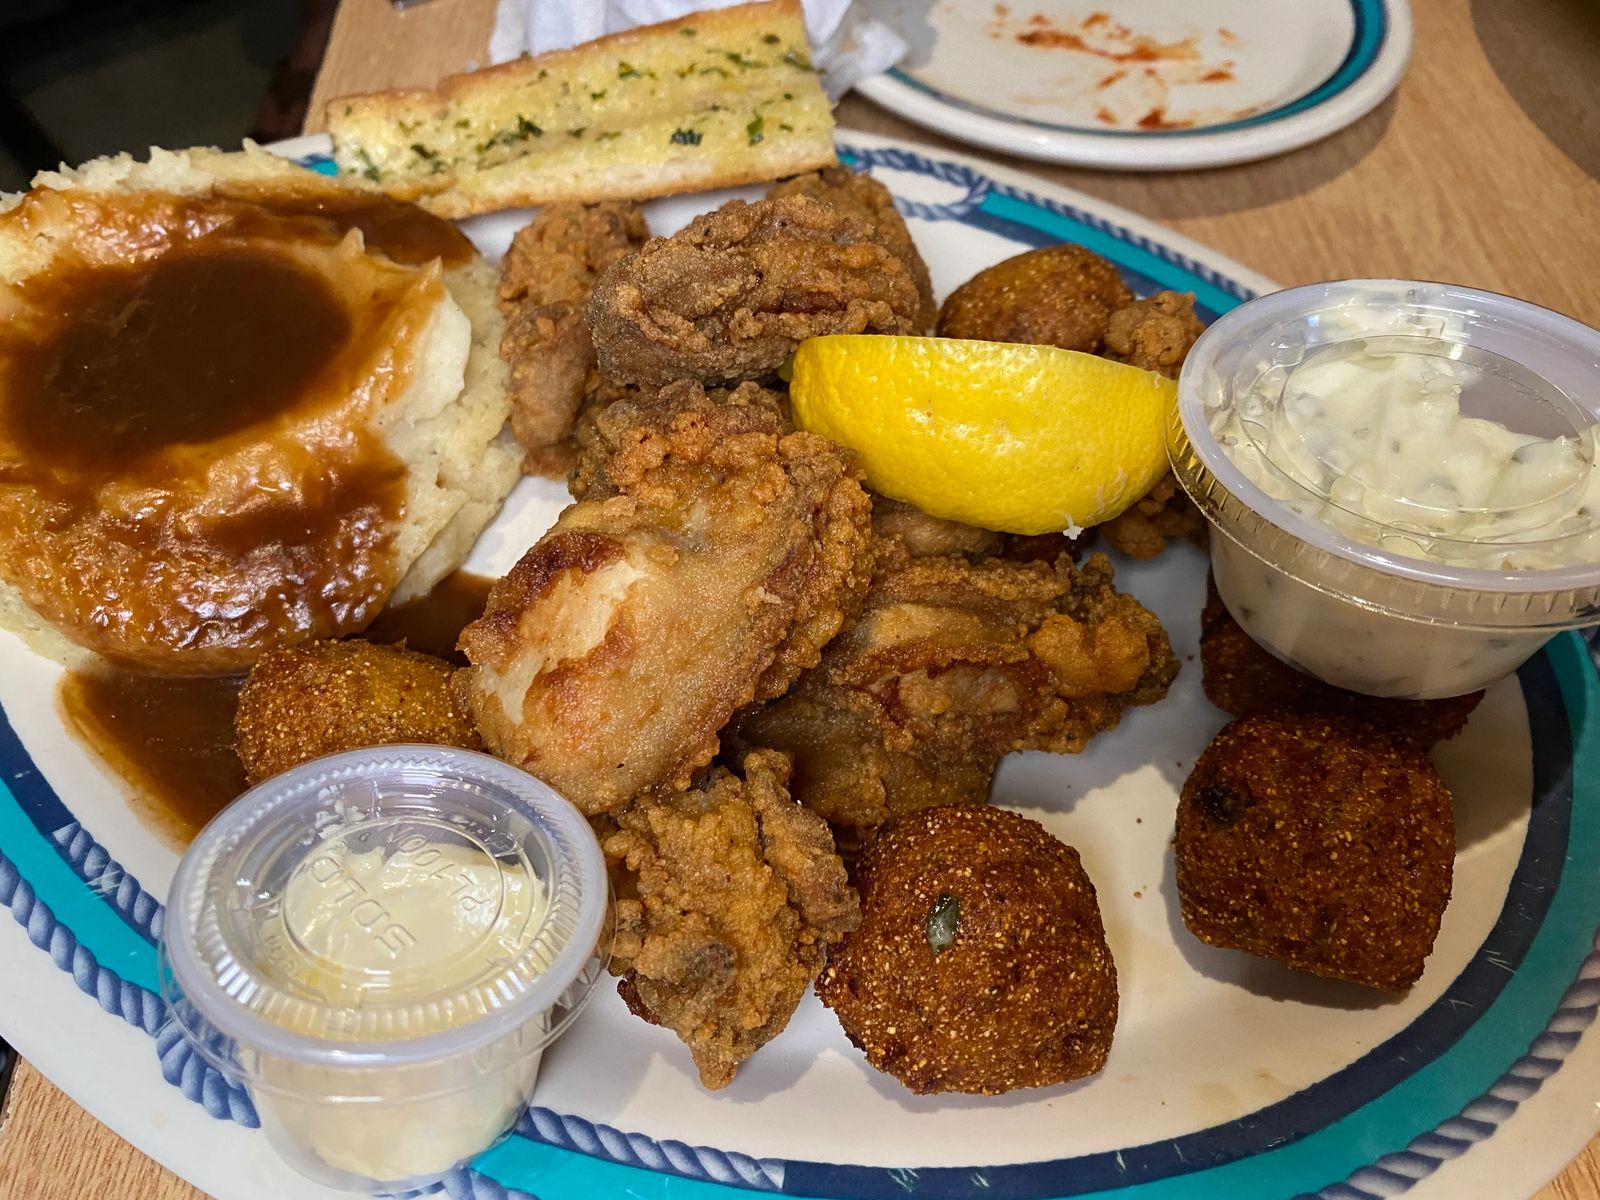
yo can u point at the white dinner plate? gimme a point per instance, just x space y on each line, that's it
1230 1076
1142 85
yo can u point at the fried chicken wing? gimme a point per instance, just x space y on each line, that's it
951 665
729 297
712 558
545 280
863 195
318 698
731 894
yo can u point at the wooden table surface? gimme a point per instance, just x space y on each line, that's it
1482 169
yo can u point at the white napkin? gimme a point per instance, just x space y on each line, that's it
845 46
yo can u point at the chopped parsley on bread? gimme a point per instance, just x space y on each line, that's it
710 100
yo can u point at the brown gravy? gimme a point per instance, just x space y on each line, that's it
169 738
186 471
433 623
185 349
399 231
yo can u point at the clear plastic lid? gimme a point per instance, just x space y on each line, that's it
1487 483
392 905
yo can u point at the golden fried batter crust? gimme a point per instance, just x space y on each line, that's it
730 296
545 280
712 558
1154 334
926 536
1165 511
863 195
923 535
319 698
733 893
951 665
1059 295
1319 842
1022 992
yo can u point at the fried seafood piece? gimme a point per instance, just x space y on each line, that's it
616 442
980 964
731 295
1059 295
1164 512
319 698
712 558
545 280
1000 655
1243 679
732 894
845 768
1317 841
951 665
1154 334
859 193
923 536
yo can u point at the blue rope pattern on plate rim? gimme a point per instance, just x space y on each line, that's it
980 186
1390 1175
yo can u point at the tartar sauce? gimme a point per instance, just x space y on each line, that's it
1369 437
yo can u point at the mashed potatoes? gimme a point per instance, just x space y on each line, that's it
241 405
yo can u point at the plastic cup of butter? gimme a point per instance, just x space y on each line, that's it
377 947
1399 477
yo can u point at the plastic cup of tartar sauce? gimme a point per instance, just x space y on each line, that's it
1400 479
378 946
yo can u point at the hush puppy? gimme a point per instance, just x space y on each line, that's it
980 964
1243 679
1054 296
1317 841
319 698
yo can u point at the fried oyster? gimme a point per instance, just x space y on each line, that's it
950 666
730 296
731 894
711 559
545 280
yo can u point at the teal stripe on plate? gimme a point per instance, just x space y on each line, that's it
1122 252
552 1174
95 924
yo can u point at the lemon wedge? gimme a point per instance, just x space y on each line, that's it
1023 439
